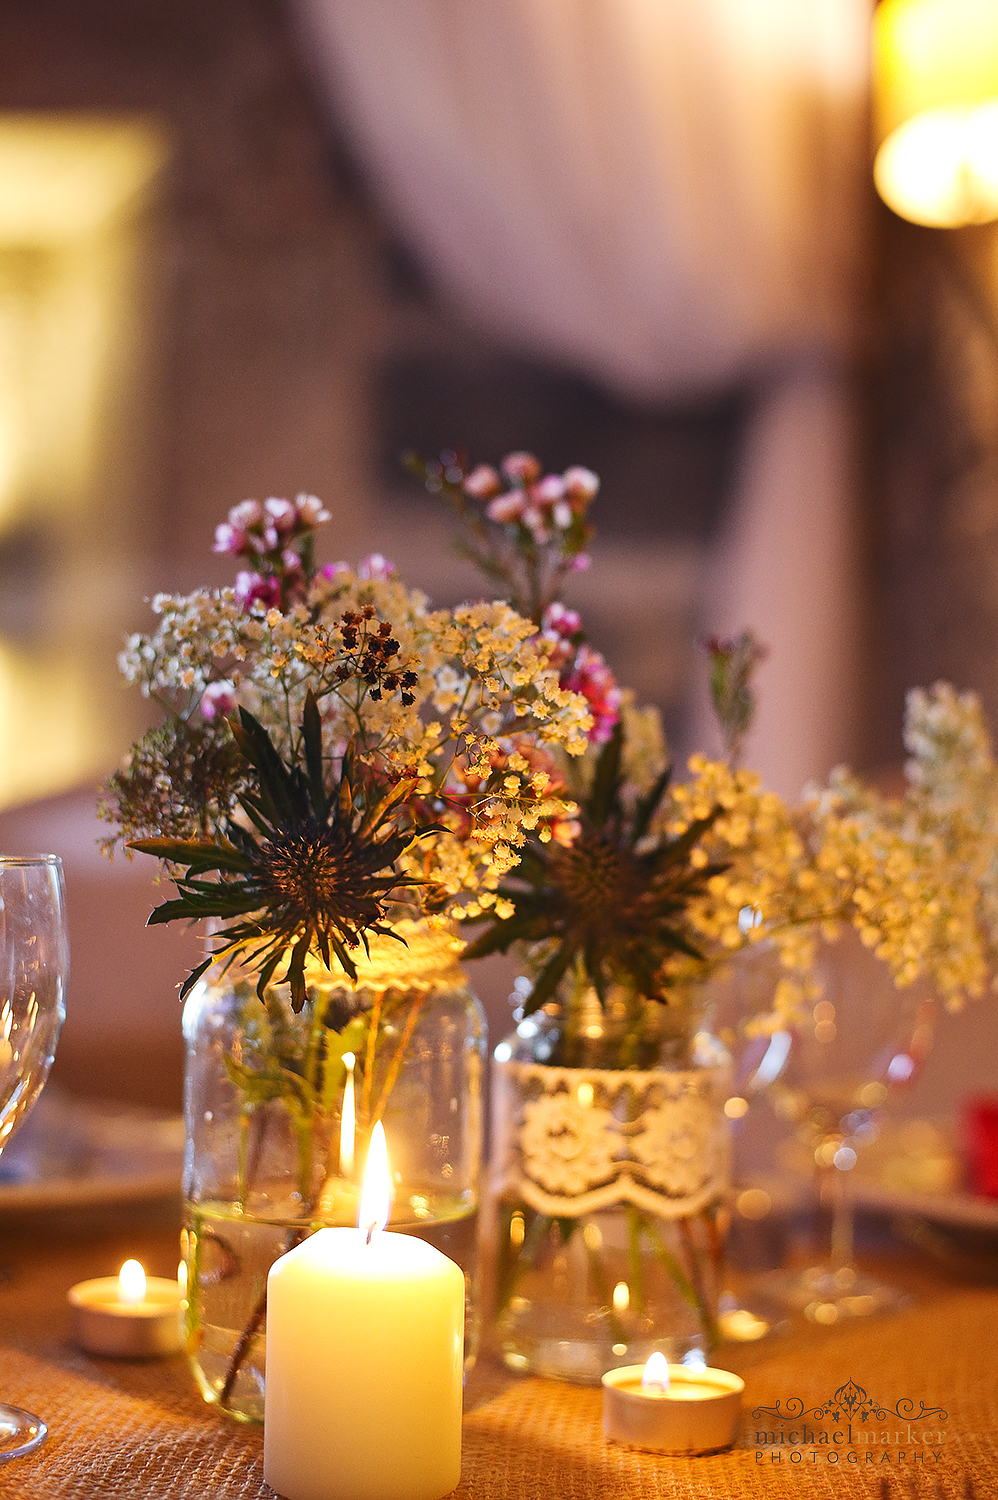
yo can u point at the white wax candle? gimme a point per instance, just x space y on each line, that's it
364 1369
129 1315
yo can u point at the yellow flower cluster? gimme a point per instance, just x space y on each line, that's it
478 691
916 875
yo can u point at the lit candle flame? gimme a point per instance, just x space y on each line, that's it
375 1200
348 1120
656 1373
131 1282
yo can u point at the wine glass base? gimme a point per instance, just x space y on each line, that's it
825 1296
20 1433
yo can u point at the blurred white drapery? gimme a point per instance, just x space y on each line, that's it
662 194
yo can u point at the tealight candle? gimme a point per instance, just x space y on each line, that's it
130 1315
365 1334
670 1408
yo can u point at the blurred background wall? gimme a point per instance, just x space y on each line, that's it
256 247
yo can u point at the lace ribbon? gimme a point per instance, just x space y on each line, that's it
571 1141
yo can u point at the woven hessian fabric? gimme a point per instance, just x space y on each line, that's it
137 1429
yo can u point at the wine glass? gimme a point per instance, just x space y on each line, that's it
34 966
743 990
862 1042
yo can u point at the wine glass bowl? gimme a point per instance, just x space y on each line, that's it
859 1046
34 968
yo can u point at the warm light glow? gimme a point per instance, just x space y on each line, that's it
347 1120
74 197
936 110
131 1282
376 1198
182 1278
655 1376
621 1297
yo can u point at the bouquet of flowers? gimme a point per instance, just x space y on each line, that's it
663 881
330 743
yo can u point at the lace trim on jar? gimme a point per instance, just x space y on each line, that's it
584 1139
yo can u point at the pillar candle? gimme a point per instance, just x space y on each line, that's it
365 1350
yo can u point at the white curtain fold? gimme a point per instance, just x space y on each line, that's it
657 192
661 194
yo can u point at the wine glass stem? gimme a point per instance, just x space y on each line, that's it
836 1200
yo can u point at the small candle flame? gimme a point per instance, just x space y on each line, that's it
375 1200
131 1282
656 1373
348 1120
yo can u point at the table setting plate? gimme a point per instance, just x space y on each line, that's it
74 1152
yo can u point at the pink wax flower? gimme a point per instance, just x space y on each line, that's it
218 700
330 570
547 490
482 483
311 511
561 622
375 566
263 540
562 515
590 676
580 484
520 468
506 508
581 563
282 515
536 522
229 539
246 514
253 588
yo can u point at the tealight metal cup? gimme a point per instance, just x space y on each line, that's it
699 1413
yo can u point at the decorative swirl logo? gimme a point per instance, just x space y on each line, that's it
849 1403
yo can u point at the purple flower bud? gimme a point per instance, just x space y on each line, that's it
482 483
218 698
561 621
252 588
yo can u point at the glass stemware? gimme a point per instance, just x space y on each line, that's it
863 1042
34 967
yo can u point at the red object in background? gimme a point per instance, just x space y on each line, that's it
981 1125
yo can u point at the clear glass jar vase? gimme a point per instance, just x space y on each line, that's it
279 1108
606 1200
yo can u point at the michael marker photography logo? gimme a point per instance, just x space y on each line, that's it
849 1428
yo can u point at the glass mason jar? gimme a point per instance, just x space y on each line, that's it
279 1108
606 1200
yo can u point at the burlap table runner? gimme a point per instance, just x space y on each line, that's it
132 1429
